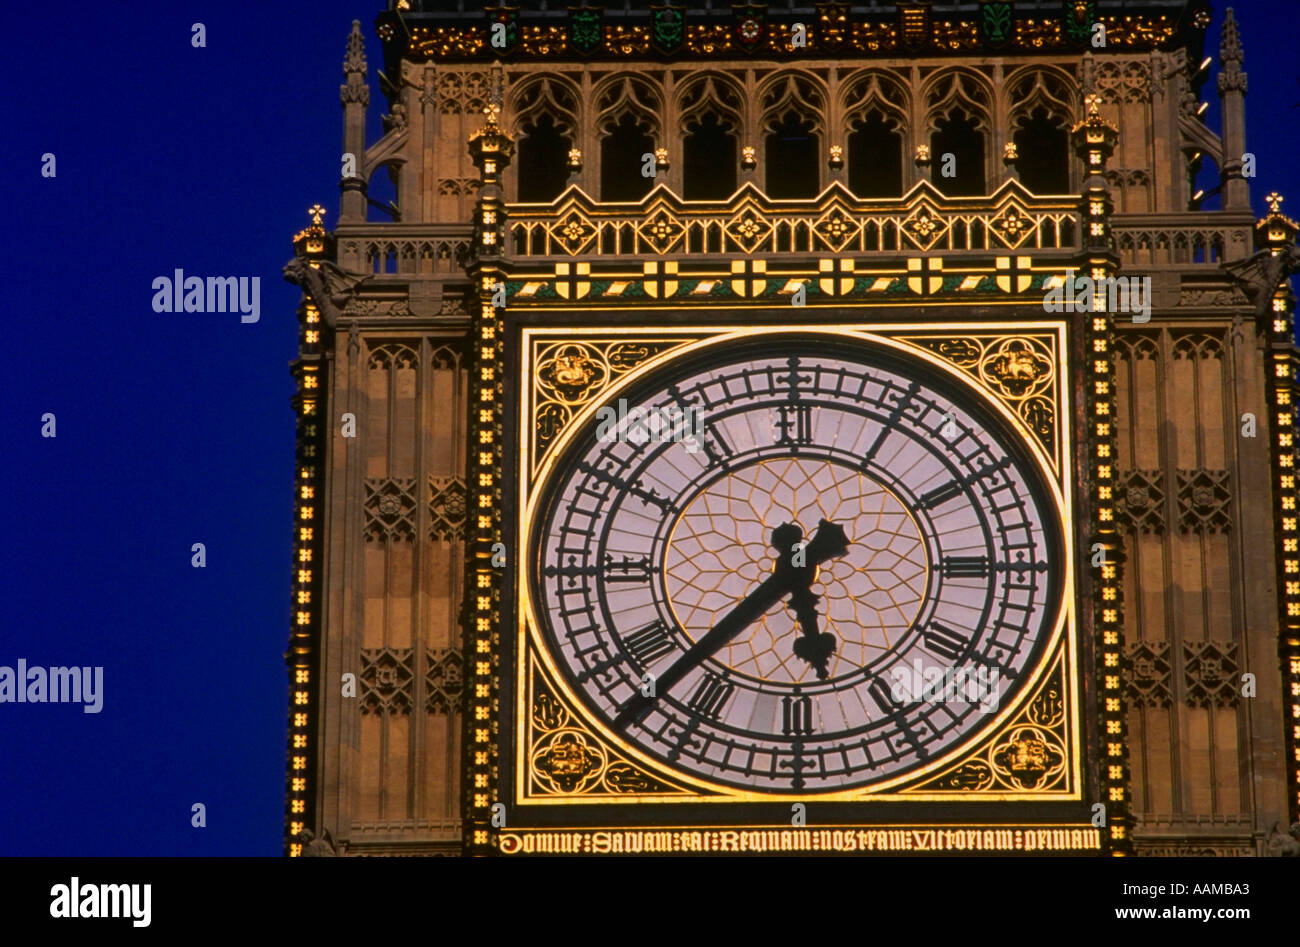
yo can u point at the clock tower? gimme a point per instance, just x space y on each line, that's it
816 428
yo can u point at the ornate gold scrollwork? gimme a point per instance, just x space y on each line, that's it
565 372
1028 755
566 759
1029 758
1016 367
1020 371
567 375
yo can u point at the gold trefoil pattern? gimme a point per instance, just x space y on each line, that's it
565 759
567 375
1027 755
1020 371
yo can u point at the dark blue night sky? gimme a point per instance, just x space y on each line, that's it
175 428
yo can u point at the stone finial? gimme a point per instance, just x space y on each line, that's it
489 147
1230 41
1231 76
355 60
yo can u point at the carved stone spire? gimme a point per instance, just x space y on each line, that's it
1232 93
354 69
355 96
1231 76
355 60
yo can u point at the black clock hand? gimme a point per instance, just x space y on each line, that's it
786 578
813 646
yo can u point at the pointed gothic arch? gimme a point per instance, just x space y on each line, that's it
628 122
711 124
1041 104
545 123
876 107
959 110
793 105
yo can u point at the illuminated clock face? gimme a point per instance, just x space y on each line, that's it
796 565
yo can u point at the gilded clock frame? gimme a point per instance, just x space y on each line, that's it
546 715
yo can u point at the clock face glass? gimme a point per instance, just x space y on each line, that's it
669 609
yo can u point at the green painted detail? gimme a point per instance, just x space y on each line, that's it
1077 19
584 30
668 28
995 20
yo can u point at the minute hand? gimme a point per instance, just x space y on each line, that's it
829 542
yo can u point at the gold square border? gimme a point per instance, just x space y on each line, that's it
1064 631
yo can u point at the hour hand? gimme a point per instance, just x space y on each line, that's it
829 542
813 646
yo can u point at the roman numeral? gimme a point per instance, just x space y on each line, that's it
879 691
904 399
716 447
627 569
616 480
796 715
965 567
944 641
710 697
795 424
649 644
940 495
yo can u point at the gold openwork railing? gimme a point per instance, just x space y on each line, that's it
661 224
